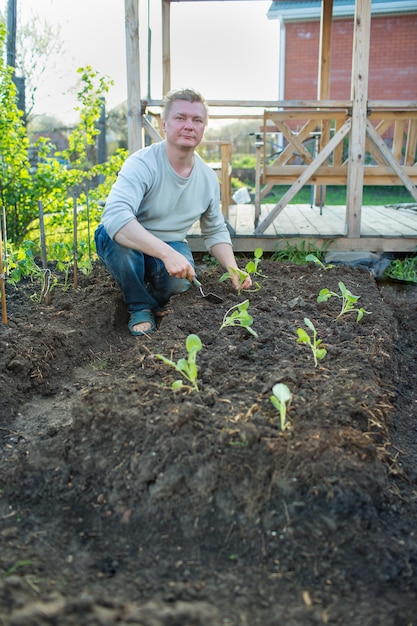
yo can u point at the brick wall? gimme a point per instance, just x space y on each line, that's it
392 64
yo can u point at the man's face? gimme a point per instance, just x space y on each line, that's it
185 124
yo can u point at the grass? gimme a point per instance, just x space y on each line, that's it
336 195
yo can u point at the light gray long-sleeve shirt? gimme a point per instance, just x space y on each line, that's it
166 204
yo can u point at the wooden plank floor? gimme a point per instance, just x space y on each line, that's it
383 229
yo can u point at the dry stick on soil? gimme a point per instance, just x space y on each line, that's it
2 282
43 249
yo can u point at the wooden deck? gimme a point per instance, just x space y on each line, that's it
383 228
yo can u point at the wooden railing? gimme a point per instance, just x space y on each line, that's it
314 148
393 132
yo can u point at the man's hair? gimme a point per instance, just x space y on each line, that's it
190 95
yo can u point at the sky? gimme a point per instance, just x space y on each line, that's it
225 49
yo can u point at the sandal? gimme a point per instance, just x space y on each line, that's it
162 311
139 317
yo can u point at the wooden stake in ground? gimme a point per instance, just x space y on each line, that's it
75 243
2 285
43 249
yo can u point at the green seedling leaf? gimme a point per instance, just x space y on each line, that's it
348 299
325 295
303 336
312 258
241 275
187 367
281 395
251 269
252 266
238 315
15 567
312 341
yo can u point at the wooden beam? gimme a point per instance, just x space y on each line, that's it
359 96
152 132
134 105
323 82
166 46
249 243
276 104
325 53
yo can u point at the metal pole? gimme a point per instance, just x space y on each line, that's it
11 32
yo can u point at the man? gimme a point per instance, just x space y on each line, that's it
159 193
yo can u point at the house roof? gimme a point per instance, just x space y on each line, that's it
297 10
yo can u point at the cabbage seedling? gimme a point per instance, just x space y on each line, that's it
315 259
348 301
281 395
186 367
313 342
251 269
239 317
252 266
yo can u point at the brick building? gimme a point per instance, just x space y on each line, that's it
393 49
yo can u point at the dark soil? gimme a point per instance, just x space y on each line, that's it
124 502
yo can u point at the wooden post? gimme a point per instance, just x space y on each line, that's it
2 283
226 160
359 96
75 229
43 249
166 46
323 83
259 146
134 105
3 233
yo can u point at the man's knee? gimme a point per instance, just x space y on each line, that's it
178 285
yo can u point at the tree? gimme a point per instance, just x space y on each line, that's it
52 176
15 179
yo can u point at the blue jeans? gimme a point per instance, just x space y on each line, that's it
142 279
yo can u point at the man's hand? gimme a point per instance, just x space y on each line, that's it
240 279
177 265
223 252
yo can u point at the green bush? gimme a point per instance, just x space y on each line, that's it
40 173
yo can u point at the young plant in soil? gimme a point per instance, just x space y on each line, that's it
252 266
313 342
251 269
314 259
64 256
238 315
22 264
405 270
186 367
348 301
280 396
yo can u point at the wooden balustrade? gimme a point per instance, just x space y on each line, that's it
314 148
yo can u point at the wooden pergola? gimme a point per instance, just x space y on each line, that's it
352 119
